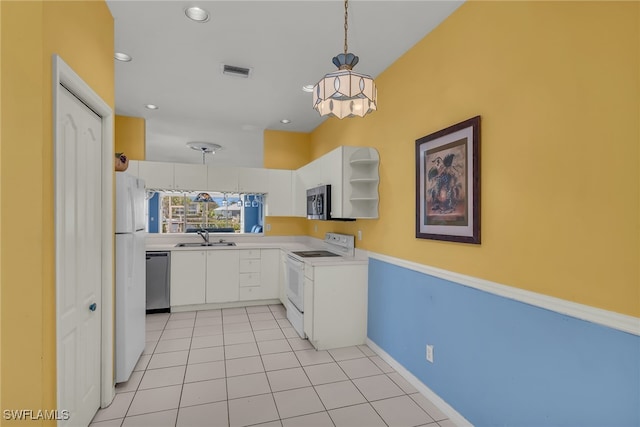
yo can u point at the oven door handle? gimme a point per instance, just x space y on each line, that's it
295 262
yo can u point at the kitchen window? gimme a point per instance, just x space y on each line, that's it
188 212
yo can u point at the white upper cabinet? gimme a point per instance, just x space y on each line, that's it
332 174
331 167
189 177
156 175
299 193
352 173
222 178
306 177
133 167
312 173
253 180
279 197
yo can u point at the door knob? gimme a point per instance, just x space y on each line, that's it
93 307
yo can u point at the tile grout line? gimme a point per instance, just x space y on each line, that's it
184 376
273 398
279 328
144 373
224 355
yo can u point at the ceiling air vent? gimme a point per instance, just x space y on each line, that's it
232 70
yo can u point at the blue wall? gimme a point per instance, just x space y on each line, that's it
252 215
502 362
154 213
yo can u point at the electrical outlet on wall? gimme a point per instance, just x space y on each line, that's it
315 228
359 234
429 353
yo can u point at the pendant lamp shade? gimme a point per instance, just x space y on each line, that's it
345 93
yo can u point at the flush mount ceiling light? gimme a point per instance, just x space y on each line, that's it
285 121
197 14
344 93
121 56
151 106
307 88
204 148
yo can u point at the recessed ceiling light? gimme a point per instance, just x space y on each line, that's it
285 121
120 56
307 88
197 14
151 106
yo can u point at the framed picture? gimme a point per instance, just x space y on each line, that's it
448 183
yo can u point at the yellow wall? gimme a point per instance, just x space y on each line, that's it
286 226
82 34
130 137
557 86
1 180
286 150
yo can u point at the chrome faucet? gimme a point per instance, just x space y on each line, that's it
204 234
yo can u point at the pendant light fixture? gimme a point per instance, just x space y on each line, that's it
204 148
345 93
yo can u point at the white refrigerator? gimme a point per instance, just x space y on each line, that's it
130 273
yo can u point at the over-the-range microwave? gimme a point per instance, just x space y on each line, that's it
319 202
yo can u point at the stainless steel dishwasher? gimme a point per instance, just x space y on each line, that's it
158 282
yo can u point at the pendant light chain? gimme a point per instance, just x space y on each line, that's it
346 25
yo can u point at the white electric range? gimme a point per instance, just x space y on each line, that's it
336 248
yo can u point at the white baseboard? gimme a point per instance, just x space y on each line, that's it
213 306
621 322
453 415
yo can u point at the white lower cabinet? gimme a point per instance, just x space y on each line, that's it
282 278
259 275
249 274
308 308
270 274
223 276
335 305
188 275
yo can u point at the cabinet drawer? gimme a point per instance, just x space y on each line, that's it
249 265
249 279
249 293
250 254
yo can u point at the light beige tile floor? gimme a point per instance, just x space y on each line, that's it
247 367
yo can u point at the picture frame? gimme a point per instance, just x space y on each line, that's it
448 184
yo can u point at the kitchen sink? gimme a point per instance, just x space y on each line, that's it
200 244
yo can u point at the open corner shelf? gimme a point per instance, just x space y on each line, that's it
363 180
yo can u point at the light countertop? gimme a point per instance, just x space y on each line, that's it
287 244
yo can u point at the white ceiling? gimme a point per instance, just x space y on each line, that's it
287 44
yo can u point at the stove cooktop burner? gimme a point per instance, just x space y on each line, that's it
315 254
